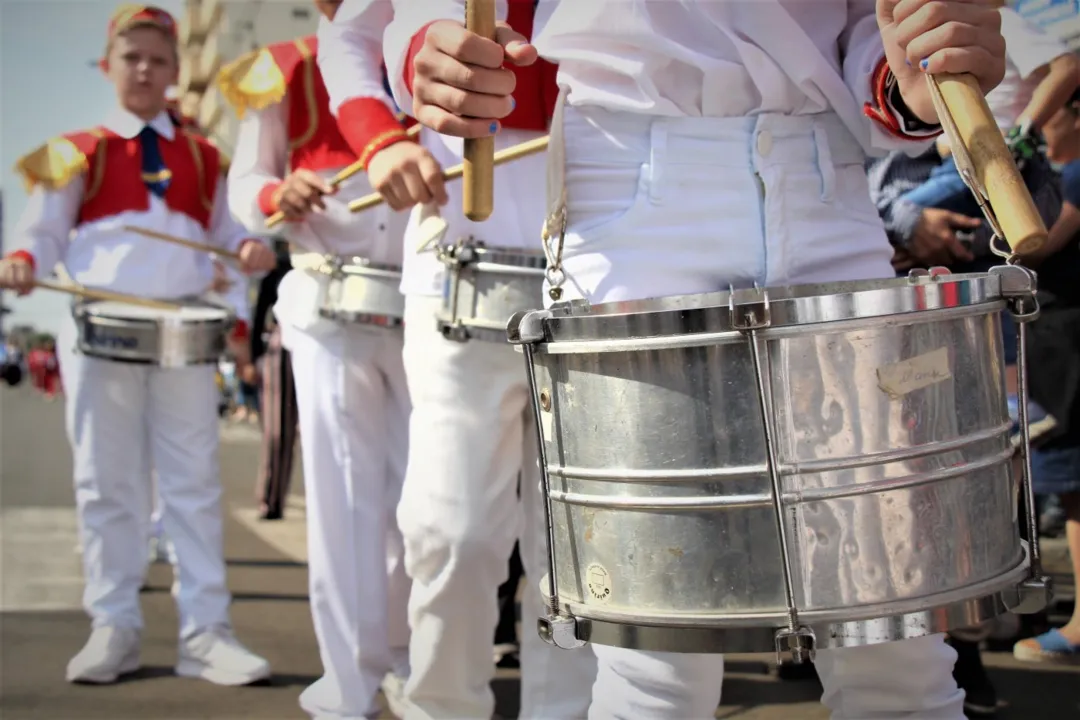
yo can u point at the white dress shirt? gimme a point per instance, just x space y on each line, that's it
102 254
694 58
261 157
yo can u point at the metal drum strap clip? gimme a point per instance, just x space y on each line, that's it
748 317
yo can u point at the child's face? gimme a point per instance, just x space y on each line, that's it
142 65
328 8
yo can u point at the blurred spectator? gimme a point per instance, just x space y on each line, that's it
280 418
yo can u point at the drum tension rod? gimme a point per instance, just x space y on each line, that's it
749 316
1018 288
556 628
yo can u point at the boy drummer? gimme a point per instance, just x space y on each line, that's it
138 168
730 138
350 384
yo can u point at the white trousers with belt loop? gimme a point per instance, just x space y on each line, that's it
353 409
676 206
123 420
471 434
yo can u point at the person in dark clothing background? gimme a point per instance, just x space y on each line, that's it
279 413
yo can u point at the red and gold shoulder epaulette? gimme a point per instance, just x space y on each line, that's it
57 162
260 78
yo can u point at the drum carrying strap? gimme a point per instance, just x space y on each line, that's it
553 234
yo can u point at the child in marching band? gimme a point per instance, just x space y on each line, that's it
139 168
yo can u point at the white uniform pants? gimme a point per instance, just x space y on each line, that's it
354 412
470 438
678 206
112 409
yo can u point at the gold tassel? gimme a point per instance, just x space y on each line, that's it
252 81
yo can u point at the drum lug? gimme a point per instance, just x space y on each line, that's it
1018 287
750 314
799 643
560 631
1034 594
527 326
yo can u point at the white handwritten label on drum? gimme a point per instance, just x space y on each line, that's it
598 582
915 373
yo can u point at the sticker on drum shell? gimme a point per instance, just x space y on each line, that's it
922 371
598 583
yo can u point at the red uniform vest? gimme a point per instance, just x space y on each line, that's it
114 175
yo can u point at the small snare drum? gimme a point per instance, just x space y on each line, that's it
485 286
193 334
364 292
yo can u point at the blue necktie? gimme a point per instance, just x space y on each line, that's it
154 173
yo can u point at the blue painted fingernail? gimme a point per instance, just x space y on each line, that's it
908 62
924 64
494 128
513 103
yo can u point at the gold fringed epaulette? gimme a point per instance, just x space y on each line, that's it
253 81
52 165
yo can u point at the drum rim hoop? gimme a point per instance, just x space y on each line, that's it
504 255
789 306
83 309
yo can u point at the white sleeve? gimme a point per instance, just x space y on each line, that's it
262 147
350 51
1027 46
862 50
238 296
225 232
46 224
410 17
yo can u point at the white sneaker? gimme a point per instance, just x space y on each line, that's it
393 688
217 656
109 653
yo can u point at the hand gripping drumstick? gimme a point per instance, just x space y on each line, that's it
993 176
478 197
212 249
93 294
503 156
275 219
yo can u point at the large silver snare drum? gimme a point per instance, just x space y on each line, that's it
364 292
829 464
194 334
484 286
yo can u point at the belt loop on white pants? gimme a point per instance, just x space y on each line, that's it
825 163
554 231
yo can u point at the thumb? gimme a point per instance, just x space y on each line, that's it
517 47
963 221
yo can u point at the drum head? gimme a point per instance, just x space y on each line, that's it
127 311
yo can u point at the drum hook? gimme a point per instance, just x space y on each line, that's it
554 273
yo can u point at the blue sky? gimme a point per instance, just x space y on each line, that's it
46 47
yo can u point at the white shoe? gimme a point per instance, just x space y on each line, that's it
393 688
217 656
109 653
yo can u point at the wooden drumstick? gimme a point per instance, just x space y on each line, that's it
276 219
503 156
478 198
994 166
212 249
94 294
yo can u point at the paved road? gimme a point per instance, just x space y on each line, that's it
41 624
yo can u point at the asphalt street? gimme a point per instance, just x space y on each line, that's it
42 624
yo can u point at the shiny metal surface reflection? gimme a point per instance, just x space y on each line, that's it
876 409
